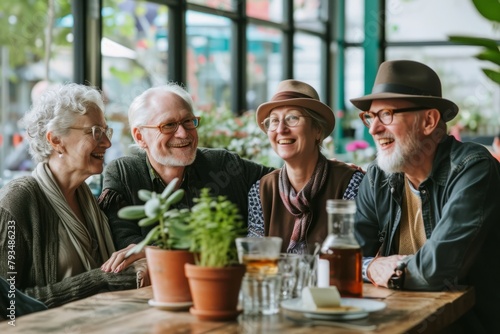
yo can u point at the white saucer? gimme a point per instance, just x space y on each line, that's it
170 306
361 309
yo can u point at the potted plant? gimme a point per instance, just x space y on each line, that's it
171 240
215 278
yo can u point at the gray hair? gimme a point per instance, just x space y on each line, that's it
318 122
139 111
56 110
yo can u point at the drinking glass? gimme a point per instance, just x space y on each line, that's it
261 286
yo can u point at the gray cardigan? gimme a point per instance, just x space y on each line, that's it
224 172
26 213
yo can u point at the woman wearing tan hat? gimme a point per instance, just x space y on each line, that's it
290 202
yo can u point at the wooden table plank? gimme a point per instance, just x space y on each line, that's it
128 312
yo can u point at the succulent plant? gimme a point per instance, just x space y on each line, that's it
172 230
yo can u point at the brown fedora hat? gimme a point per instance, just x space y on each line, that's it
408 80
296 93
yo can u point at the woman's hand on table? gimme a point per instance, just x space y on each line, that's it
118 260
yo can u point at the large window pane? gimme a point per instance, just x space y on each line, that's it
354 87
264 64
134 58
209 60
354 21
310 14
463 82
27 68
307 64
270 10
427 20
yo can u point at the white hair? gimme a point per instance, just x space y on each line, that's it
55 110
139 110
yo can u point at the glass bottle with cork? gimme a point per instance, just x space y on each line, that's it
342 250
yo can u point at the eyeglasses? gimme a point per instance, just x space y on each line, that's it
97 131
272 123
166 128
385 116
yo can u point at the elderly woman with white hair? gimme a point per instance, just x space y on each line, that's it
51 227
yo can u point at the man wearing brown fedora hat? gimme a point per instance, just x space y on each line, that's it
428 213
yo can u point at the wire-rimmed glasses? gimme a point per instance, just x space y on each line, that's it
171 127
291 120
96 130
385 116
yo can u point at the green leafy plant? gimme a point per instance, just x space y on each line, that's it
240 134
172 230
215 223
491 50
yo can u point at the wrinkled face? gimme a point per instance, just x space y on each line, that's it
81 152
398 142
172 149
293 143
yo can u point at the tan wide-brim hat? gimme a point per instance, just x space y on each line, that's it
408 80
296 93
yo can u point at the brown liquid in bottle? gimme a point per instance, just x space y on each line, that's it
345 270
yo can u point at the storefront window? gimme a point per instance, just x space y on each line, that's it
264 64
270 10
27 68
209 60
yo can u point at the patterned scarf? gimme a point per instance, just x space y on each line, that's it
298 204
79 234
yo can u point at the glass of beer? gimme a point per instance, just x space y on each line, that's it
260 291
259 255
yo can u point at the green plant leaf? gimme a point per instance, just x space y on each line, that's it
144 194
152 207
493 75
152 235
490 55
478 41
147 221
175 197
132 212
489 9
169 188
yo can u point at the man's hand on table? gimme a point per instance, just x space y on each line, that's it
382 268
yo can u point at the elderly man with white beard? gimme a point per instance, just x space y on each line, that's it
164 127
428 210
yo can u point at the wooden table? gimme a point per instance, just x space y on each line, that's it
129 312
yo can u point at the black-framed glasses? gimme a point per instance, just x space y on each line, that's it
291 120
171 127
385 116
96 131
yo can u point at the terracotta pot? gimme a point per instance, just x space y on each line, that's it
215 291
166 271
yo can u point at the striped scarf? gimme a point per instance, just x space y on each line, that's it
298 204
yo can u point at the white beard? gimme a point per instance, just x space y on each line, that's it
405 152
173 161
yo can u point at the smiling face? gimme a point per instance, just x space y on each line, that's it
82 153
398 142
294 144
173 149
